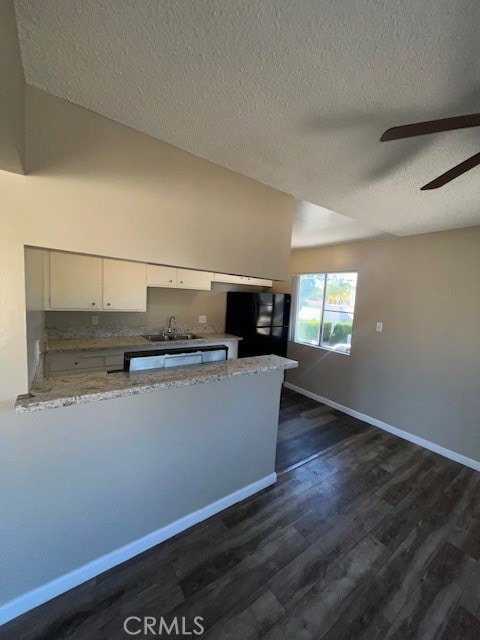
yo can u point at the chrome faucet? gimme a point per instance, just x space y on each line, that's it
171 331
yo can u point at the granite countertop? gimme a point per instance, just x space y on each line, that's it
89 387
122 342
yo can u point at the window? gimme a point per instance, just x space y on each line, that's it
324 310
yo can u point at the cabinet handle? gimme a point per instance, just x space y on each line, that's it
170 280
181 281
108 304
75 362
93 304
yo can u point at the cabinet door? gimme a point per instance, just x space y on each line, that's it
124 286
188 279
75 281
158 276
226 277
258 282
58 364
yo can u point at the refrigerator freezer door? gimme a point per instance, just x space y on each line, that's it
271 309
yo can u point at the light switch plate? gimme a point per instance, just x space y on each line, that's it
379 327
202 319
94 319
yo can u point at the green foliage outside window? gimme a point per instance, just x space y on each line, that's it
308 331
327 331
340 333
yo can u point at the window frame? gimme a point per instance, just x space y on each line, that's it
295 309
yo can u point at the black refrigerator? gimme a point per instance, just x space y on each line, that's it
261 319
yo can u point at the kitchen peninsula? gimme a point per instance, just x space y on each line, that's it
146 455
89 387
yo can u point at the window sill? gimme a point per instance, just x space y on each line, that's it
318 346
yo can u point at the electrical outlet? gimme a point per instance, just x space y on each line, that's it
202 319
379 327
94 319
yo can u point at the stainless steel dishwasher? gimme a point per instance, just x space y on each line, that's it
167 358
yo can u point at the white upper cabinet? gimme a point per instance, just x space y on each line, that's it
257 282
75 281
188 279
158 276
225 277
84 283
124 286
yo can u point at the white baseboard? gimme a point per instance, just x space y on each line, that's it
56 587
426 444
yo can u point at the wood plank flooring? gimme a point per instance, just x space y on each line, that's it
307 428
373 538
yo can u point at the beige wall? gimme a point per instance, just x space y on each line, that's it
422 374
98 187
12 93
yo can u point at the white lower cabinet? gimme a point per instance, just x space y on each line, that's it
67 363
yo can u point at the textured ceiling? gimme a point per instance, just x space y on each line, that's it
314 226
293 93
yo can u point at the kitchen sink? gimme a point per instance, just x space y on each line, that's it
161 337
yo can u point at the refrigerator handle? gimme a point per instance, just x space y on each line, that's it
286 310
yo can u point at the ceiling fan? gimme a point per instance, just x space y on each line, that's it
436 126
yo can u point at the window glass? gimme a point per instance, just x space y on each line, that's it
325 310
310 294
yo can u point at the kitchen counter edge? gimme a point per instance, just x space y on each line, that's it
59 345
82 388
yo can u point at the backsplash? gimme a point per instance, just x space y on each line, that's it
186 305
106 331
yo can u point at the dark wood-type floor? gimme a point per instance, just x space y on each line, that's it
307 428
375 538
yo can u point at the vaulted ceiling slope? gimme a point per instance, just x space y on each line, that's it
292 93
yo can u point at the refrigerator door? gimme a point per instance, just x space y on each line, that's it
282 307
264 342
261 319
271 309
240 313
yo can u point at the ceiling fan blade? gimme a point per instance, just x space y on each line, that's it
431 126
464 166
